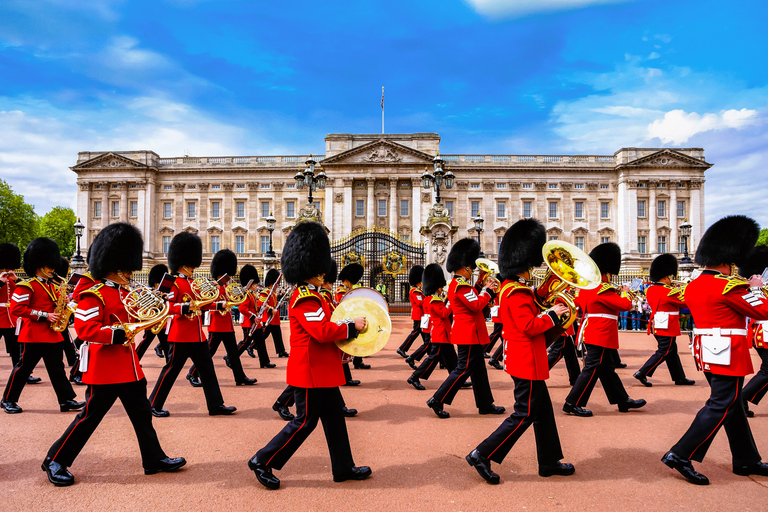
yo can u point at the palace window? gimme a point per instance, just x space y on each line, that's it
605 239
115 208
552 186
133 185
681 244
240 209
240 244
449 207
240 186
404 208
501 185
475 208
578 186
681 209
264 209
134 208
382 207
641 208
215 244
166 244
526 209
97 209
360 208
290 209
552 210
406 238
579 242
215 209
662 185
681 185
474 185
603 186
501 210
97 186
191 187
166 210
265 186
553 237
578 209
662 245
264 244
498 243
661 207
191 210
167 187
527 185
604 209
216 187
290 186
641 245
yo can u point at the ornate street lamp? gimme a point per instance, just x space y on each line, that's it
439 177
308 178
79 228
685 232
479 228
271 221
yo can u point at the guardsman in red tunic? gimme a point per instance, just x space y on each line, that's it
271 319
85 282
755 390
154 279
525 357
720 302
314 366
497 325
468 332
110 368
185 335
599 332
438 313
416 297
253 334
349 277
665 302
33 303
222 327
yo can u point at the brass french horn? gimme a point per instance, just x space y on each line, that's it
206 291
148 307
235 293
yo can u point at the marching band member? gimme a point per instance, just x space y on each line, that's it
599 331
468 332
110 368
565 348
154 279
185 336
665 302
349 277
755 390
416 297
438 314
497 325
314 366
85 282
720 303
251 322
525 357
10 260
34 304
222 327
271 318
68 347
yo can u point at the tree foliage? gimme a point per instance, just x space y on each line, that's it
58 225
18 221
763 239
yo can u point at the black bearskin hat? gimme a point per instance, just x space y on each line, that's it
116 247
10 256
463 254
521 247
432 279
156 274
352 273
249 273
186 250
756 263
414 276
306 253
62 269
224 262
41 252
271 277
332 274
727 241
664 265
607 257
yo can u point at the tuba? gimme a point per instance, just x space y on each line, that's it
489 269
206 292
149 308
63 309
568 267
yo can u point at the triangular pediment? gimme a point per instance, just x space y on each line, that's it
380 152
668 158
109 161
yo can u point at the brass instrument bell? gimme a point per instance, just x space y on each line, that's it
148 307
490 269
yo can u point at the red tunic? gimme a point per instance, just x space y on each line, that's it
35 295
315 361
719 301
7 320
525 346
100 307
340 291
271 303
439 319
183 329
248 309
756 333
221 321
468 320
601 307
327 296
663 298
417 302
83 284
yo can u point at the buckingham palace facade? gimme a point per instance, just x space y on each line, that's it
636 197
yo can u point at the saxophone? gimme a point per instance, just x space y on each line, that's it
63 309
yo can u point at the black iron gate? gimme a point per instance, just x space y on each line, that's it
387 259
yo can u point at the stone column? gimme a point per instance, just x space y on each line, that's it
513 207
461 212
652 217
178 224
227 214
252 240
673 220
202 213
542 205
415 208
149 207
124 201
277 210
349 208
371 220
393 206
105 209
698 223
84 212
488 206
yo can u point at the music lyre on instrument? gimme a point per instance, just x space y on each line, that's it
568 267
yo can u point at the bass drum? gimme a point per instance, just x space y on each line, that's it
368 293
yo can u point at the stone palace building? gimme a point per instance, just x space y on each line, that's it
636 197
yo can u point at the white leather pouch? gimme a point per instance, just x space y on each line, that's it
424 322
661 320
716 349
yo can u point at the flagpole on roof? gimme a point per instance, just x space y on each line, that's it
382 110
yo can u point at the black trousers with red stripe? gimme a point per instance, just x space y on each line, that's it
723 409
598 364
312 404
287 397
438 352
406 346
495 336
256 340
149 336
565 348
277 337
471 363
532 407
757 386
99 399
178 353
423 348
11 343
53 356
667 351
230 345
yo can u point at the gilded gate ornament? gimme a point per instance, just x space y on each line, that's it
394 263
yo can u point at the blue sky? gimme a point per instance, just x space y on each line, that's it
230 77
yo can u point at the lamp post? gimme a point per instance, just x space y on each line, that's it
438 177
271 220
479 229
685 232
78 259
307 177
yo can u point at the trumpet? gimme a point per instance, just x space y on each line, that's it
489 269
206 292
150 309
568 267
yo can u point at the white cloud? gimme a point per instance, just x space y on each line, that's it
677 127
515 8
